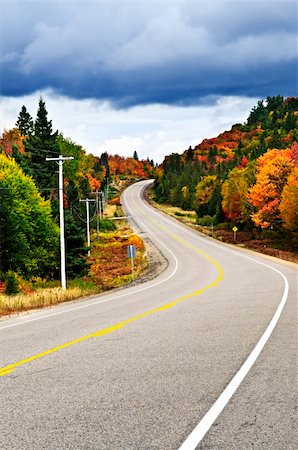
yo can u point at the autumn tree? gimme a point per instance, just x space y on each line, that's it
289 202
12 139
235 204
273 169
208 196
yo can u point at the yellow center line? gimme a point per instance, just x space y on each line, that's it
10 368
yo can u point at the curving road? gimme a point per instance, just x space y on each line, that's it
204 356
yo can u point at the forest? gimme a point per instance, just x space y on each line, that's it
247 176
29 213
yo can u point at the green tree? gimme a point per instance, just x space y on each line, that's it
76 251
11 283
41 144
25 122
208 196
28 234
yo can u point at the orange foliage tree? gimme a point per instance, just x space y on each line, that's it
273 169
12 138
94 183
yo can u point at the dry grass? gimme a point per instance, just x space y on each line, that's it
109 210
110 266
188 217
40 299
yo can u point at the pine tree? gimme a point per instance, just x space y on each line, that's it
43 129
25 122
42 144
135 156
76 251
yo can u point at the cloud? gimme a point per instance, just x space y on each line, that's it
128 53
152 130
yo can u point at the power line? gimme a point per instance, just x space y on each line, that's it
44 150
28 189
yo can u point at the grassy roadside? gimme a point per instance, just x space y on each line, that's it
109 268
272 245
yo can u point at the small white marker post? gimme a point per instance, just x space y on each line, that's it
131 253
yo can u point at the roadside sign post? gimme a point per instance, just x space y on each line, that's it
235 229
131 253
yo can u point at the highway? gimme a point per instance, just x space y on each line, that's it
203 356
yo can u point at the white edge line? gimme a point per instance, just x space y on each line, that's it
45 316
207 421
209 418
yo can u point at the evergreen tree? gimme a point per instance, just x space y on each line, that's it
190 154
76 252
43 144
104 160
11 284
135 156
25 122
22 160
43 129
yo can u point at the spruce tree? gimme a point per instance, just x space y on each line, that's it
42 144
76 251
43 129
25 122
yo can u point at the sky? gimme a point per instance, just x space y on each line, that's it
151 76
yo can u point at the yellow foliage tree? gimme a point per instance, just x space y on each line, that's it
289 202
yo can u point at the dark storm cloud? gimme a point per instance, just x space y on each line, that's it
149 52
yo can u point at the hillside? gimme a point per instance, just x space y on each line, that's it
247 176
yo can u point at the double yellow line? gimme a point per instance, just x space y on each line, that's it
11 367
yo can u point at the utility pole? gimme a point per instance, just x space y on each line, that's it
60 161
102 203
107 189
100 208
96 193
87 201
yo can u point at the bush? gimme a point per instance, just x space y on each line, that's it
223 226
11 284
107 225
206 221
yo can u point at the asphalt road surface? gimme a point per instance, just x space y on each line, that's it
203 356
